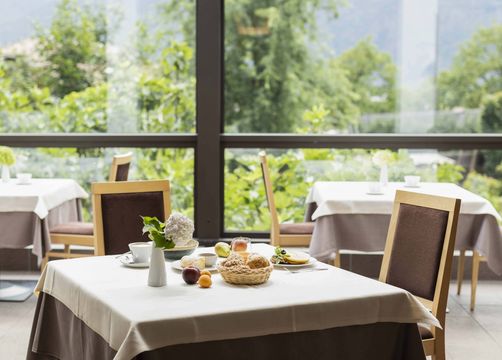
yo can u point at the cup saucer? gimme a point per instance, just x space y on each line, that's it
128 260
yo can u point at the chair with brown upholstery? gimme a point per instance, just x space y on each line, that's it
117 209
418 256
119 171
82 233
296 234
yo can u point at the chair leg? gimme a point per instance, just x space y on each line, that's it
476 259
337 261
460 271
439 346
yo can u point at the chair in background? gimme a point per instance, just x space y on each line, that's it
119 171
82 233
295 234
117 209
477 258
418 256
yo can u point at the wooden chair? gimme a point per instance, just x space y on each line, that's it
418 256
477 258
82 233
295 234
117 209
119 171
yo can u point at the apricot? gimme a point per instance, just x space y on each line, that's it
206 272
205 281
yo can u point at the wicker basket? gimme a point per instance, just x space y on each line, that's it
243 275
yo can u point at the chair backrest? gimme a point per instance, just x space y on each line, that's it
117 209
269 193
419 248
119 171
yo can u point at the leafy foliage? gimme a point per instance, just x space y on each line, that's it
277 79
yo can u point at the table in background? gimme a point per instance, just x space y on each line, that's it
27 212
348 218
100 309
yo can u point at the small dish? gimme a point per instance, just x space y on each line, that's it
311 262
210 258
375 193
177 266
23 178
178 252
128 261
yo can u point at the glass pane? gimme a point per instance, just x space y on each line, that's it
363 66
90 66
92 165
294 171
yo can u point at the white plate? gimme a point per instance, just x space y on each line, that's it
311 262
127 260
177 266
375 193
411 186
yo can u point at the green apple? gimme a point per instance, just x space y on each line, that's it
222 249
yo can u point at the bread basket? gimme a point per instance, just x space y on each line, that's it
243 275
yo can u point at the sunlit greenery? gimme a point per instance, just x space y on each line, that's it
278 78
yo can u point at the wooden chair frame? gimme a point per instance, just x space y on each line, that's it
117 160
82 240
276 238
477 258
125 187
435 346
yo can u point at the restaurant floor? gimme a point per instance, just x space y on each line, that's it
471 335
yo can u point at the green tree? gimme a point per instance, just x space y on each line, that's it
74 47
372 74
491 122
272 74
476 71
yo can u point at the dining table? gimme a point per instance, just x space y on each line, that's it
28 210
95 307
348 216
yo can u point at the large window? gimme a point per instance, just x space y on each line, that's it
76 66
196 87
362 66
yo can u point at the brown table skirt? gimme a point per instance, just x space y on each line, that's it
58 334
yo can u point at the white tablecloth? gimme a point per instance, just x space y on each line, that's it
115 302
353 198
40 196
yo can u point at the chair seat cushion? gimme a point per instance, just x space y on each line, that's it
425 332
74 228
297 228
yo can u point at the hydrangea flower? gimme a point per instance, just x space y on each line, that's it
179 229
7 156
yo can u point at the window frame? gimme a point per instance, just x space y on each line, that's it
210 142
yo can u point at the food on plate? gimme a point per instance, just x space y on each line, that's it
191 275
222 249
240 244
205 272
205 281
256 261
196 261
282 256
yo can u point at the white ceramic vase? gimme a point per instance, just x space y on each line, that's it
5 173
157 272
384 175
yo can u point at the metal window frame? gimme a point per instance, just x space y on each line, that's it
210 142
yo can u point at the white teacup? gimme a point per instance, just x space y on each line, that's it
412 180
374 188
141 251
23 178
